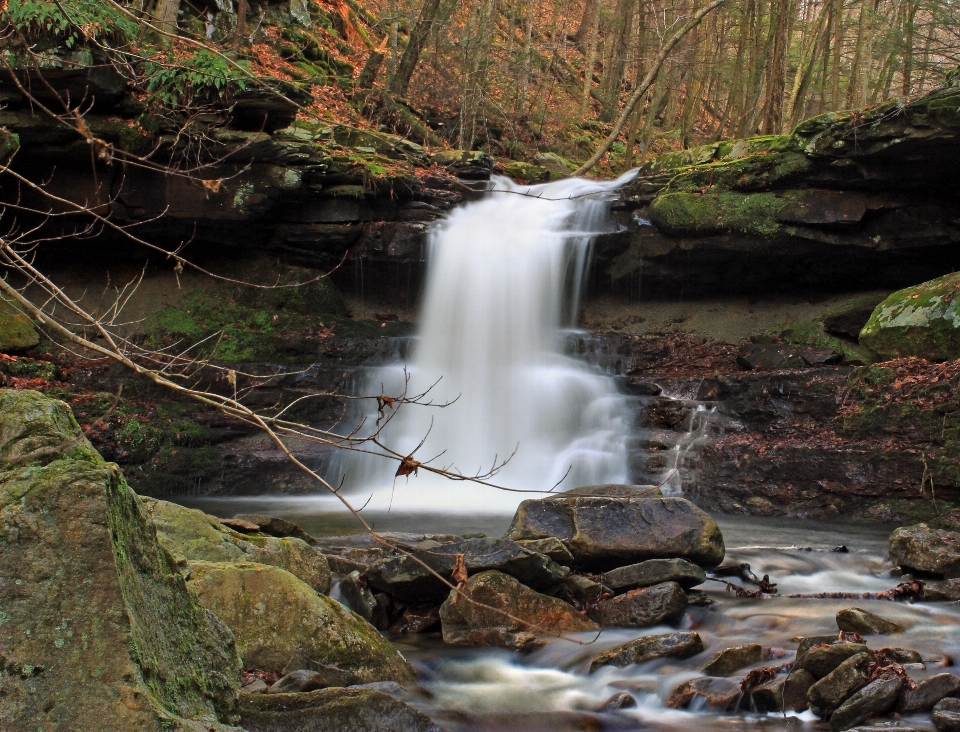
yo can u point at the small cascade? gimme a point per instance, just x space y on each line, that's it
504 278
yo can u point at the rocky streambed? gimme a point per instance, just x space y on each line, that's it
608 607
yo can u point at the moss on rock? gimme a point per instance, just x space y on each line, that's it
17 332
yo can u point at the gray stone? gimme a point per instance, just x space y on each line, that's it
840 684
733 659
698 598
942 591
795 688
809 642
928 693
653 572
257 686
619 490
583 589
946 715
387 687
550 547
648 648
858 620
876 698
603 533
768 696
412 584
821 661
641 608
920 548
720 694
361 599
17 332
273 526
901 655
620 700
299 681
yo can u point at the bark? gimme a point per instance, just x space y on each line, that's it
776 73
165 15
588 21
411 54
616 65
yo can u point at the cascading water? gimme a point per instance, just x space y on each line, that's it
504 276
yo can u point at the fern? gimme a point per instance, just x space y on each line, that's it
70 20
177 81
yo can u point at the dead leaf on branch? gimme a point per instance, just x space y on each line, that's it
407 466
459 575
383 401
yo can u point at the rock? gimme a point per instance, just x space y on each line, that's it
942 591
96 622
820 661
243 527
550 547
849 320
946 715
387 687
876 698
616 490
191 535
344 566
922 321
412 584
296 682
919 548
768 696
558 166
857 620
770 357
331 710
721 694
273 526
840 684
257 686
620 700
648 648
603 533
17 332
733 659
582 589
809 642
698 598
795 688
362 601
467 164
417 620
274 615
466 624
928 693
653 572
901 655
642 608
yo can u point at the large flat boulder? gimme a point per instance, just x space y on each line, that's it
920 548
604 532
648 648
410 582
276 617
506 614
192 535
97 627
641 608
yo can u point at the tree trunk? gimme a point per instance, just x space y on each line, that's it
614 69
411 55
780 13
588 22
165 16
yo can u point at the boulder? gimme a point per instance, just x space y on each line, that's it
411 583
770 357
275 616
768 696
620 700
331 710
805 644
858 620
417 620
641 608
582 590
653 572
919 548
946 715
96 622
840 684
297 682
273 526
822 660
720 694
550 547
17 332
648 648
603 533
733 659
558 166
617 490
922 321
795 688
942 591
467 624
192 535
876 698
362 601
901 655
928 693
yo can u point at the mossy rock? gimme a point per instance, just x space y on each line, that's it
17 332
35 430
526 172
922 321
718 212
96 622
191 535
557 165
277 617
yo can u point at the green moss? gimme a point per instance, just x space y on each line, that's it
810 334
717 212
17 332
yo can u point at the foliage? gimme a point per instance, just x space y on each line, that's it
176 78
70 20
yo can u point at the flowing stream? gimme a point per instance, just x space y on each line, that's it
504 277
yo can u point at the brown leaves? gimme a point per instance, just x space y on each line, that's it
383 401
908 591
761 676
459 575
850 636
407 466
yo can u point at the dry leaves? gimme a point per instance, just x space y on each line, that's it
459 575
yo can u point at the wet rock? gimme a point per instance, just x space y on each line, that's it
273 526
387 687
884 728
822 660
257 686
417 620
795 688
946 715
942 591
697 598
603 533
328 675
928 693
17 332
344 566
840 684
919 548
412 584
616 490
331 710
274 616
467 624
730 660
901 655
641 608
648 648
583 589
876 698
805 644
96 625
768 696
620 700
297 682
721 694
858 620
363 602
550 547
769 357
653 572
191 535
243 527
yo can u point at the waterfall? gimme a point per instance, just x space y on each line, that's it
504 276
